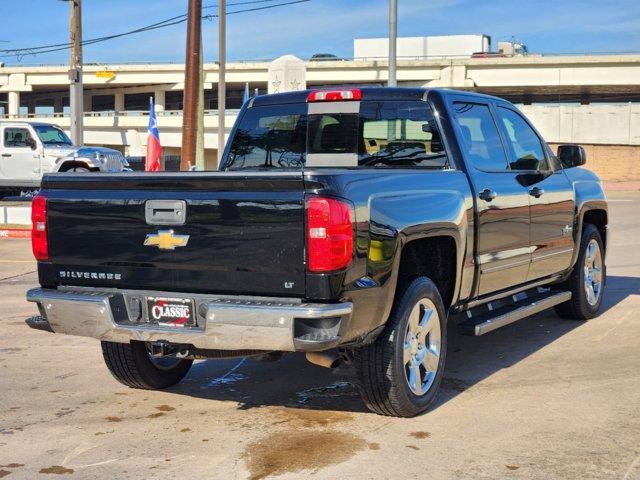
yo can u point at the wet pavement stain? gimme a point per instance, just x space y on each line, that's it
155 415
64 411
336 389
420 435
4 473
374 446
186 429
57 470
12 465
512 467
310 418
10 350
165 408
412 447
281 452
114 419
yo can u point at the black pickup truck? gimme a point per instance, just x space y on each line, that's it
348 224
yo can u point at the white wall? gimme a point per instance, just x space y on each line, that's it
594 124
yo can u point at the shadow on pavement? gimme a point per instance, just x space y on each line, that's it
295 383
618 288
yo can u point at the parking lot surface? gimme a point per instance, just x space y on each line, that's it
542 398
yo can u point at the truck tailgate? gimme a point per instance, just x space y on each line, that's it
245 232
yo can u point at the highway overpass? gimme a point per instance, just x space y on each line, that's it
588 99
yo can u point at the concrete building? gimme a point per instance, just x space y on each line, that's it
593 100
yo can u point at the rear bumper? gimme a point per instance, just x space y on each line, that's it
224 322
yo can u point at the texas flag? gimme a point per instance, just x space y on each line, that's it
154 149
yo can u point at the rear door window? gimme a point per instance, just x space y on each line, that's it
480 141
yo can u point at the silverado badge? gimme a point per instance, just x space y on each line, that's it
166 240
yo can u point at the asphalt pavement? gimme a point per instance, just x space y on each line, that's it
542 398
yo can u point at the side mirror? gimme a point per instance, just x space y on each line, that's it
571 155
31 143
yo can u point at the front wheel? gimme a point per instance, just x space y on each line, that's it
400 372
132 365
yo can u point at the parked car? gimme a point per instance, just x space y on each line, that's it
347 224
324 57
30 149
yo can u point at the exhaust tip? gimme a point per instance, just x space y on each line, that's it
39 323
324 359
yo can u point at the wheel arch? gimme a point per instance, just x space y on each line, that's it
69 164
435 256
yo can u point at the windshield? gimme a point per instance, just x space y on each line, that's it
383 134
50 135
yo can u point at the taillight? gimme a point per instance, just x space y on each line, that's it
329 234
39 243
334 95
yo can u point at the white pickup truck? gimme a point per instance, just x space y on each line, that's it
30 149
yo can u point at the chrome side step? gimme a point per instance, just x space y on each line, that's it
495 317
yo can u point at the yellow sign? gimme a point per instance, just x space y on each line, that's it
106 74
166 240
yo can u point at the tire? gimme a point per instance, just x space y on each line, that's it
582 305
79 170
384 368
132 366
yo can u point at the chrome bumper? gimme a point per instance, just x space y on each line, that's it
224 323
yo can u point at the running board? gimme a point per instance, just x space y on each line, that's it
493 318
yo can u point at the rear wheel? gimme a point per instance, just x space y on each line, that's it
401 371
133 365
587 281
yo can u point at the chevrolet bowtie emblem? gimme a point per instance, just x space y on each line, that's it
166 240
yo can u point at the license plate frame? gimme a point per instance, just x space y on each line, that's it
172 312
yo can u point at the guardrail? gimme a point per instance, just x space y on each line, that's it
113 113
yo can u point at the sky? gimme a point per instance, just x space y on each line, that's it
558 26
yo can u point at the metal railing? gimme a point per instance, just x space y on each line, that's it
114 113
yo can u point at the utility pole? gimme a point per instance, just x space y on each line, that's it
191 85
393 35
75 72
222 66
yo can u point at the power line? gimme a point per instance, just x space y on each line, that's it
20 53
161 24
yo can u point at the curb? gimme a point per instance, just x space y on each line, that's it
14 233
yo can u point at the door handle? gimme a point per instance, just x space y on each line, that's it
165 212
536 192
487 195
6 154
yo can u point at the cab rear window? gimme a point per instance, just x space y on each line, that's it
384 134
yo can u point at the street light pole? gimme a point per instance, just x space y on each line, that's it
75 72
393 34
222 65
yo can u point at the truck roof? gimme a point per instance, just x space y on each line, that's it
368 93
25 122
